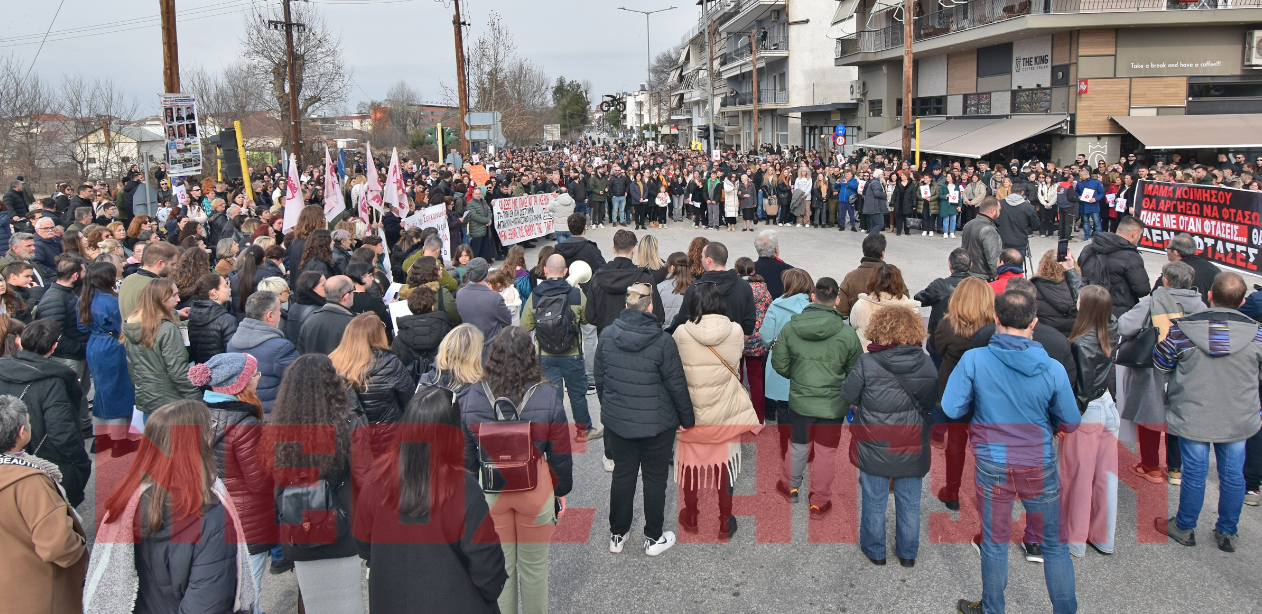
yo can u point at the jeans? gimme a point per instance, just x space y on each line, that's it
619 210
1039 491
1090 224
651 456
569 369
845 211
677 207
876 495
876 221
581 207
948 224
1230 458
258 562
563 235
1088 462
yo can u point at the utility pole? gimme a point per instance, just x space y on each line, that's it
710 69
753 46
461 85
295 136
908 12
170 50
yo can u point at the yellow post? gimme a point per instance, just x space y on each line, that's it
438 136
917 143
245 170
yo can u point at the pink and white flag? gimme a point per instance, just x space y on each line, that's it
334 205
293 197
372 189
395 194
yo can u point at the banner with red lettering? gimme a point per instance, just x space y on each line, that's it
1226 222
522 218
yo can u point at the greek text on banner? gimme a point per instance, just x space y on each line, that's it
522 218
1226 222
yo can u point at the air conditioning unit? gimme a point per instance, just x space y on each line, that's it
858 89
775 15
1253 48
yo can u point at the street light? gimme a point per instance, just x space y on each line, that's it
648 62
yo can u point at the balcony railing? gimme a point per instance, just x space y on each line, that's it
745 99
773 97
977 13
742 52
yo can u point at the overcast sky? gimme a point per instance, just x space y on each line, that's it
382 40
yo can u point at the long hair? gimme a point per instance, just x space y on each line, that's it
190 229
189 267
98 276
428 468
1049 269
353 356
137 225
646 255
319 247
251 258
511 364
151 309
1095 308
71 242
972 306
423 271
178 466
680 272
887 279
694 256
10 330
544 253
311 399
516 259
460 354
310 219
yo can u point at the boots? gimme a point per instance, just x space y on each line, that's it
688 520
727 528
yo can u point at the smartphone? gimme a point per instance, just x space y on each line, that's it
1062 250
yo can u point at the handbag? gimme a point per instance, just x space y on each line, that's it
506 453
1136 352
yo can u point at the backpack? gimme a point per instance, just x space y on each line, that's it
556 329
1095 269
506 453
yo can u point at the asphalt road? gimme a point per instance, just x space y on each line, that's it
781 561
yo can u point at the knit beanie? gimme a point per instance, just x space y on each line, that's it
226 373
476 270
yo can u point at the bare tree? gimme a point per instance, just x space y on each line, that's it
323 79
663 65
30 127
92 107
501 81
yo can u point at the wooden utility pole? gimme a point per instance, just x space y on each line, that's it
295 120
461 84
710 73
753 46
170 50
908 13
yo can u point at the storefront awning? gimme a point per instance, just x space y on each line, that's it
970 138
1194 131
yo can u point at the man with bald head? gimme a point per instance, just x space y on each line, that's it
555 311
322 330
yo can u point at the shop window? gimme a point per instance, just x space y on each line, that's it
876 108
1225 90
1031 101
929 105
977 104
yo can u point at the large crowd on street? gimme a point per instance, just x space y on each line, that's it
249 394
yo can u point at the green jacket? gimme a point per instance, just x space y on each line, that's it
596 189
816 351
447 281
129 291
159 373
944 200
477 215
580 310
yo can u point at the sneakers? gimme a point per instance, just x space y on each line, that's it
965 606
1152 475
797 225
608 465
663 543
924 233
616 542
591 389
931 233
819 511
1252 498
1172 530
595 433
1033 552
281 566
1226 543
977 543
1175 477
789 494
944 236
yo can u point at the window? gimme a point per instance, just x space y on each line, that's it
1031 101
1224 90
931 105
977 104
994 60
875 108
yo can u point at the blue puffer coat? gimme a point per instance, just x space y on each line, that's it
776 386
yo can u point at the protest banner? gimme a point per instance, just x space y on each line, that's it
478 174
433 217
1226 222
522 218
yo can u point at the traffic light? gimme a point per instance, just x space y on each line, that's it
431 135
450 136
228 154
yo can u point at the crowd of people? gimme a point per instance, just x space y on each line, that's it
266 404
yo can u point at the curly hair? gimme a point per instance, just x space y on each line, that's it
1049 269
319 247
694 256
423 271
511 364
896 327
311 398
190 267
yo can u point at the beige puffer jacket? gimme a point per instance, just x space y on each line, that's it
867 306
718 398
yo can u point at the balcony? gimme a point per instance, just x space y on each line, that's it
979 13
745 100
743 13
777 45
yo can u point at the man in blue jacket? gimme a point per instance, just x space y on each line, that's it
1019 397
258 336
1089 202
847 187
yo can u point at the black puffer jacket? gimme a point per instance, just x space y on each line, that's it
187 566
210 326
640 378
938 296
387 388
549 429
61 304
891 438
1112 262
607 293
1058 301
736 293
418 338
236 433
303 305
52 394
1094 368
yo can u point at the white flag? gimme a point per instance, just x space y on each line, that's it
333 203
395 194
293 197
372 189
385 262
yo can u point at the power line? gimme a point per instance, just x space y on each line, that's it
138 23
41 43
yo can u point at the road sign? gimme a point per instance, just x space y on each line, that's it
840 139
483 134
839 130
1082 86
482 119
552 132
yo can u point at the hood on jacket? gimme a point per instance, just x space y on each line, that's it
1012 200
1108 242
820 322
725 280
791 305
1020 354
1015 269
1219 332
634 330
12 474
203 312
571 247
618 275
27 367
900 360
713 329
552 287
252 333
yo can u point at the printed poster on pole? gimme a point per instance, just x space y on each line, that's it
179 125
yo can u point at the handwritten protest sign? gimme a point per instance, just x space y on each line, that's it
522 218
433 217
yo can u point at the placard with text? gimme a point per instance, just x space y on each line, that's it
1226 222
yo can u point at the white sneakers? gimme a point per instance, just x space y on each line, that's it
931 233
924 233
654 548
616 542
944 236
953 235
608 465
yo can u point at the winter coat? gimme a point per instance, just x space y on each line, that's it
273 352
950 348
670 301
748 196
974 193
46 252
210 326
781 310
1058 301
1047 195
235 434
129 291
596 188
945 206
856 283
717 394
575 300
484 308
52 394
816 350
1113 262
982 242
867 306
784 194
477 214
386 390
114 395
42 541
449 562
640 378
1097 194
1203 279
322 330
1143 391
369 302
1019 219
737 295
1006 272
874 198
1214 360
891 427
160 373
607 292
937 296
61 305
6 231
905 198
300 307
617 184
1095 368
319 265
545 411
770 269
731 199
579 248
418 337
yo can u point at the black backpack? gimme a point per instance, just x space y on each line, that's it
556 329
